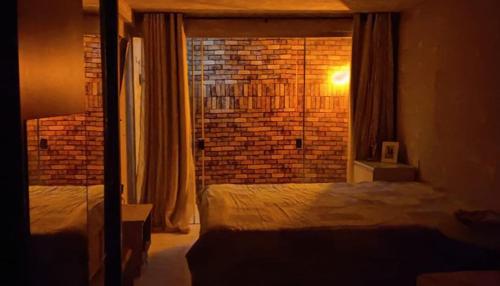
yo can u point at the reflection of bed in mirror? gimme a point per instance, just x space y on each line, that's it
67 228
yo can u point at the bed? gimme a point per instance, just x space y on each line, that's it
377 233
66 243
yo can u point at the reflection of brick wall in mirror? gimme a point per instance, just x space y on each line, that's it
74 153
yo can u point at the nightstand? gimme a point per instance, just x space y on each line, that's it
369 171
136 234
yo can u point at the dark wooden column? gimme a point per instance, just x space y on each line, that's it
112 196
13 177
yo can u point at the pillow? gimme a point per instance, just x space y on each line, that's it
479 219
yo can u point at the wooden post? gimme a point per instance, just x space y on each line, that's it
14 177
112 196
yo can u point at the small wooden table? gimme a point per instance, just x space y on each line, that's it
136 231
369 171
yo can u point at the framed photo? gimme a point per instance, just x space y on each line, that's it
390 152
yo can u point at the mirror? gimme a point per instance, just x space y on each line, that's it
65 152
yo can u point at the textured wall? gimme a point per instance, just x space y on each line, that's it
449 96
254 110
75 142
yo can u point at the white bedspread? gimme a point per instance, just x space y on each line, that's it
335 205
61 208
67 224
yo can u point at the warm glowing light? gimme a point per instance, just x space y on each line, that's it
340 78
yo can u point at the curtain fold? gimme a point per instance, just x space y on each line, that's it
372 85
168 176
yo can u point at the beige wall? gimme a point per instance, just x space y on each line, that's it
449 95
50 58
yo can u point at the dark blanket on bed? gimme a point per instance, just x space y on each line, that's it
377 256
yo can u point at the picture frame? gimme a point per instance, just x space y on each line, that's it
390 151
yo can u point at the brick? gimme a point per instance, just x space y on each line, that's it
258 113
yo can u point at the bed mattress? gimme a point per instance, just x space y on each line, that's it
66 234
319 234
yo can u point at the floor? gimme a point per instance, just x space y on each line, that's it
167 263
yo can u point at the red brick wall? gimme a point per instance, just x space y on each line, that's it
75 142
254 110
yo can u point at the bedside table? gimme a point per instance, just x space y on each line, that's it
136 234
369 171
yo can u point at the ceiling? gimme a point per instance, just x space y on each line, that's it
262 6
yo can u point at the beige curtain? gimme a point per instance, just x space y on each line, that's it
372 84
168 181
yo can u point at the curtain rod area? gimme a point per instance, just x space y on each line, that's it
272 27
265 15
333 25
273 16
